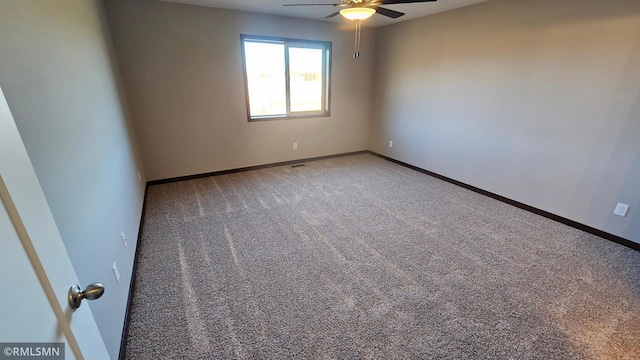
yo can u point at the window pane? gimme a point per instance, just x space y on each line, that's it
305 79
265 78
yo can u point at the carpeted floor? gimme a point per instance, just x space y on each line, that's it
357 257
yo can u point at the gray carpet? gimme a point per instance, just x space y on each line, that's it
357 257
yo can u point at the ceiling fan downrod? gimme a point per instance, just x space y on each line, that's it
356 52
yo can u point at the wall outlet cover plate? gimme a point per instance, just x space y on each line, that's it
116 273
621 209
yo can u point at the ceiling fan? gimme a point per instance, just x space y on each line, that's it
363 9
359 10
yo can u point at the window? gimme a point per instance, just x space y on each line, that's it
286 78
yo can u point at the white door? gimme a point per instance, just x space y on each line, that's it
35 270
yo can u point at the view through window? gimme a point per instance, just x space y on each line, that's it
285 77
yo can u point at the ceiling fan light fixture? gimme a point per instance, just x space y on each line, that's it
357 13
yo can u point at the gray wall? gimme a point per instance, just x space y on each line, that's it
538 101
182 69
59 77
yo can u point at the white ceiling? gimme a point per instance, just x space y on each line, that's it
274 7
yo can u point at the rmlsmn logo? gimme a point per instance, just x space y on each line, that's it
49 351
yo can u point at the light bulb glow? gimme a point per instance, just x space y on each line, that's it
357 13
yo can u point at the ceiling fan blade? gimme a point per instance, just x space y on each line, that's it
332 15
389 2
313 4
388 12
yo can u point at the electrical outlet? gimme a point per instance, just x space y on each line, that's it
124 239
116 273
390 143
621 209
295 146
